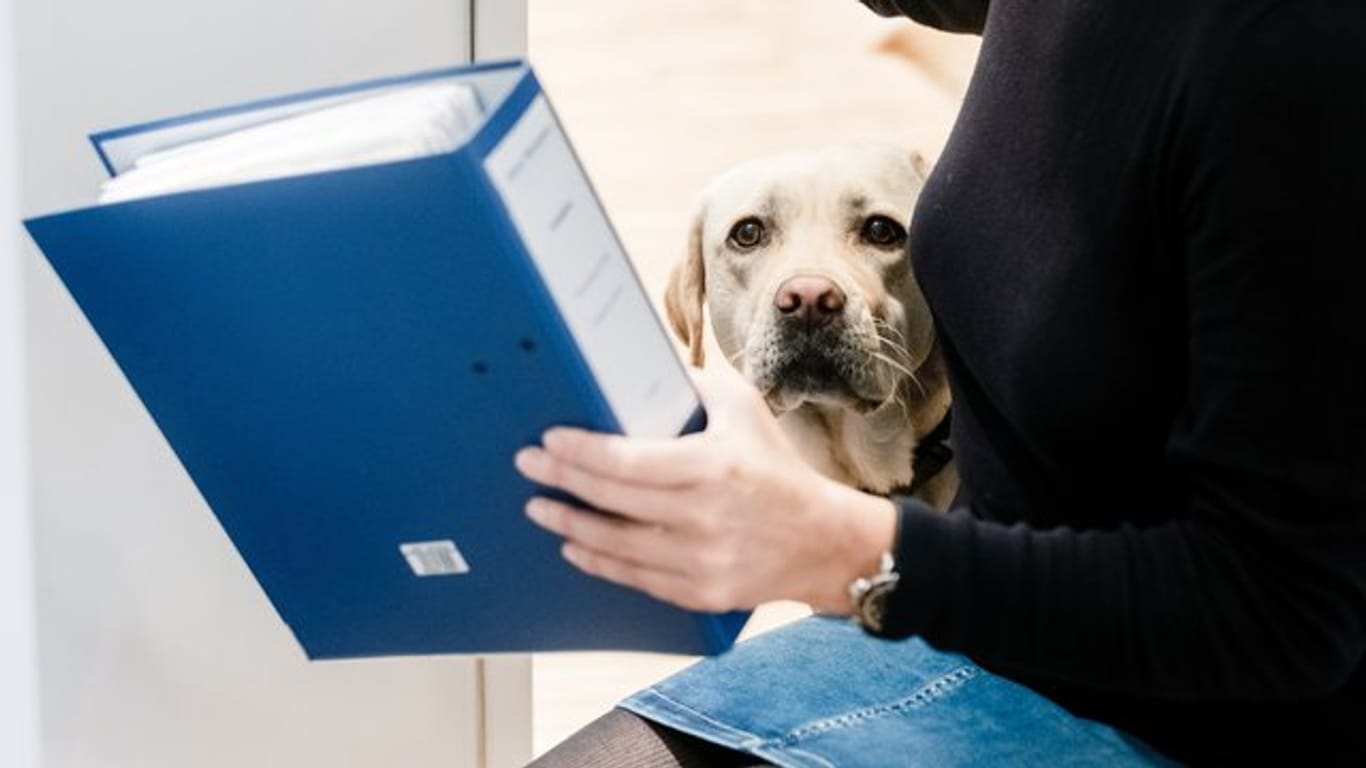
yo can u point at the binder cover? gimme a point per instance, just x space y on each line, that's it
345 364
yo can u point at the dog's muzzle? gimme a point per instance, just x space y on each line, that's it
812 351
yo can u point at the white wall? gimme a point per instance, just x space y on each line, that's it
18 660
157 647
500 28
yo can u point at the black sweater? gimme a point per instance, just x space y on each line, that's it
1143 247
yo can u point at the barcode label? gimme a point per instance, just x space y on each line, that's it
434 558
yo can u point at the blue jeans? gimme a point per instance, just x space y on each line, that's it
821 692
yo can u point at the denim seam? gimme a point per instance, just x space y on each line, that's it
750 740
925 695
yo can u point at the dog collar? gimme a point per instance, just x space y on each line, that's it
932 453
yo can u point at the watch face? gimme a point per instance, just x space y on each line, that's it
873 608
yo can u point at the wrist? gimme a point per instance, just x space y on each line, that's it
860 528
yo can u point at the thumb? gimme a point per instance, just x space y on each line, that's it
723 390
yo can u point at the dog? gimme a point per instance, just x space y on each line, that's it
801 262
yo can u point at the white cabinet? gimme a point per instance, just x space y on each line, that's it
18 652
157 647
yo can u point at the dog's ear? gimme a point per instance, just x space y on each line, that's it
920 165
686 291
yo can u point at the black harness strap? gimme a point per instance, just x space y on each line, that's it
932 454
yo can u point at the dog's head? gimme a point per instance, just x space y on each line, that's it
801 262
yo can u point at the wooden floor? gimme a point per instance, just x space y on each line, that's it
660 96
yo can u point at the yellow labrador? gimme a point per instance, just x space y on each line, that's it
801 262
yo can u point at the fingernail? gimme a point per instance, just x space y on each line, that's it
536 510
529 460
553 439
570 553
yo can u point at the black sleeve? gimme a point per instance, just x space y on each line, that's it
1257 587
948 15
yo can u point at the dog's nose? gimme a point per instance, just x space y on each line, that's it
814 301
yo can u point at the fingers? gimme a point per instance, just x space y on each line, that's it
631 541
661 585
672 463
638 461
626 553
640 503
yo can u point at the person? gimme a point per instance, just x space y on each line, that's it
1142 247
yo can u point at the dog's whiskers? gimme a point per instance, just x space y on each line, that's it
898 365
900 351
898 344
880 323
894 363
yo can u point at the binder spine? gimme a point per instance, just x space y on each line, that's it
715 632
475 153
562 338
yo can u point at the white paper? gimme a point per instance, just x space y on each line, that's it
414 121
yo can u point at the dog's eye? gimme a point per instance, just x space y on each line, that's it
882 231
747 233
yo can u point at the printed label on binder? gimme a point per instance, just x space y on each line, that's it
434 558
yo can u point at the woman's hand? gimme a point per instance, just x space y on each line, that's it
723 519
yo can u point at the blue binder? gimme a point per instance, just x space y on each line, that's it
345 364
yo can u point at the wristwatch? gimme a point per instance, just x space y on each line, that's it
869 594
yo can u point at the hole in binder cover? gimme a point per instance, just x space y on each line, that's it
481 368
527 345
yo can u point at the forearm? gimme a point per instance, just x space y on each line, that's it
1181 610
